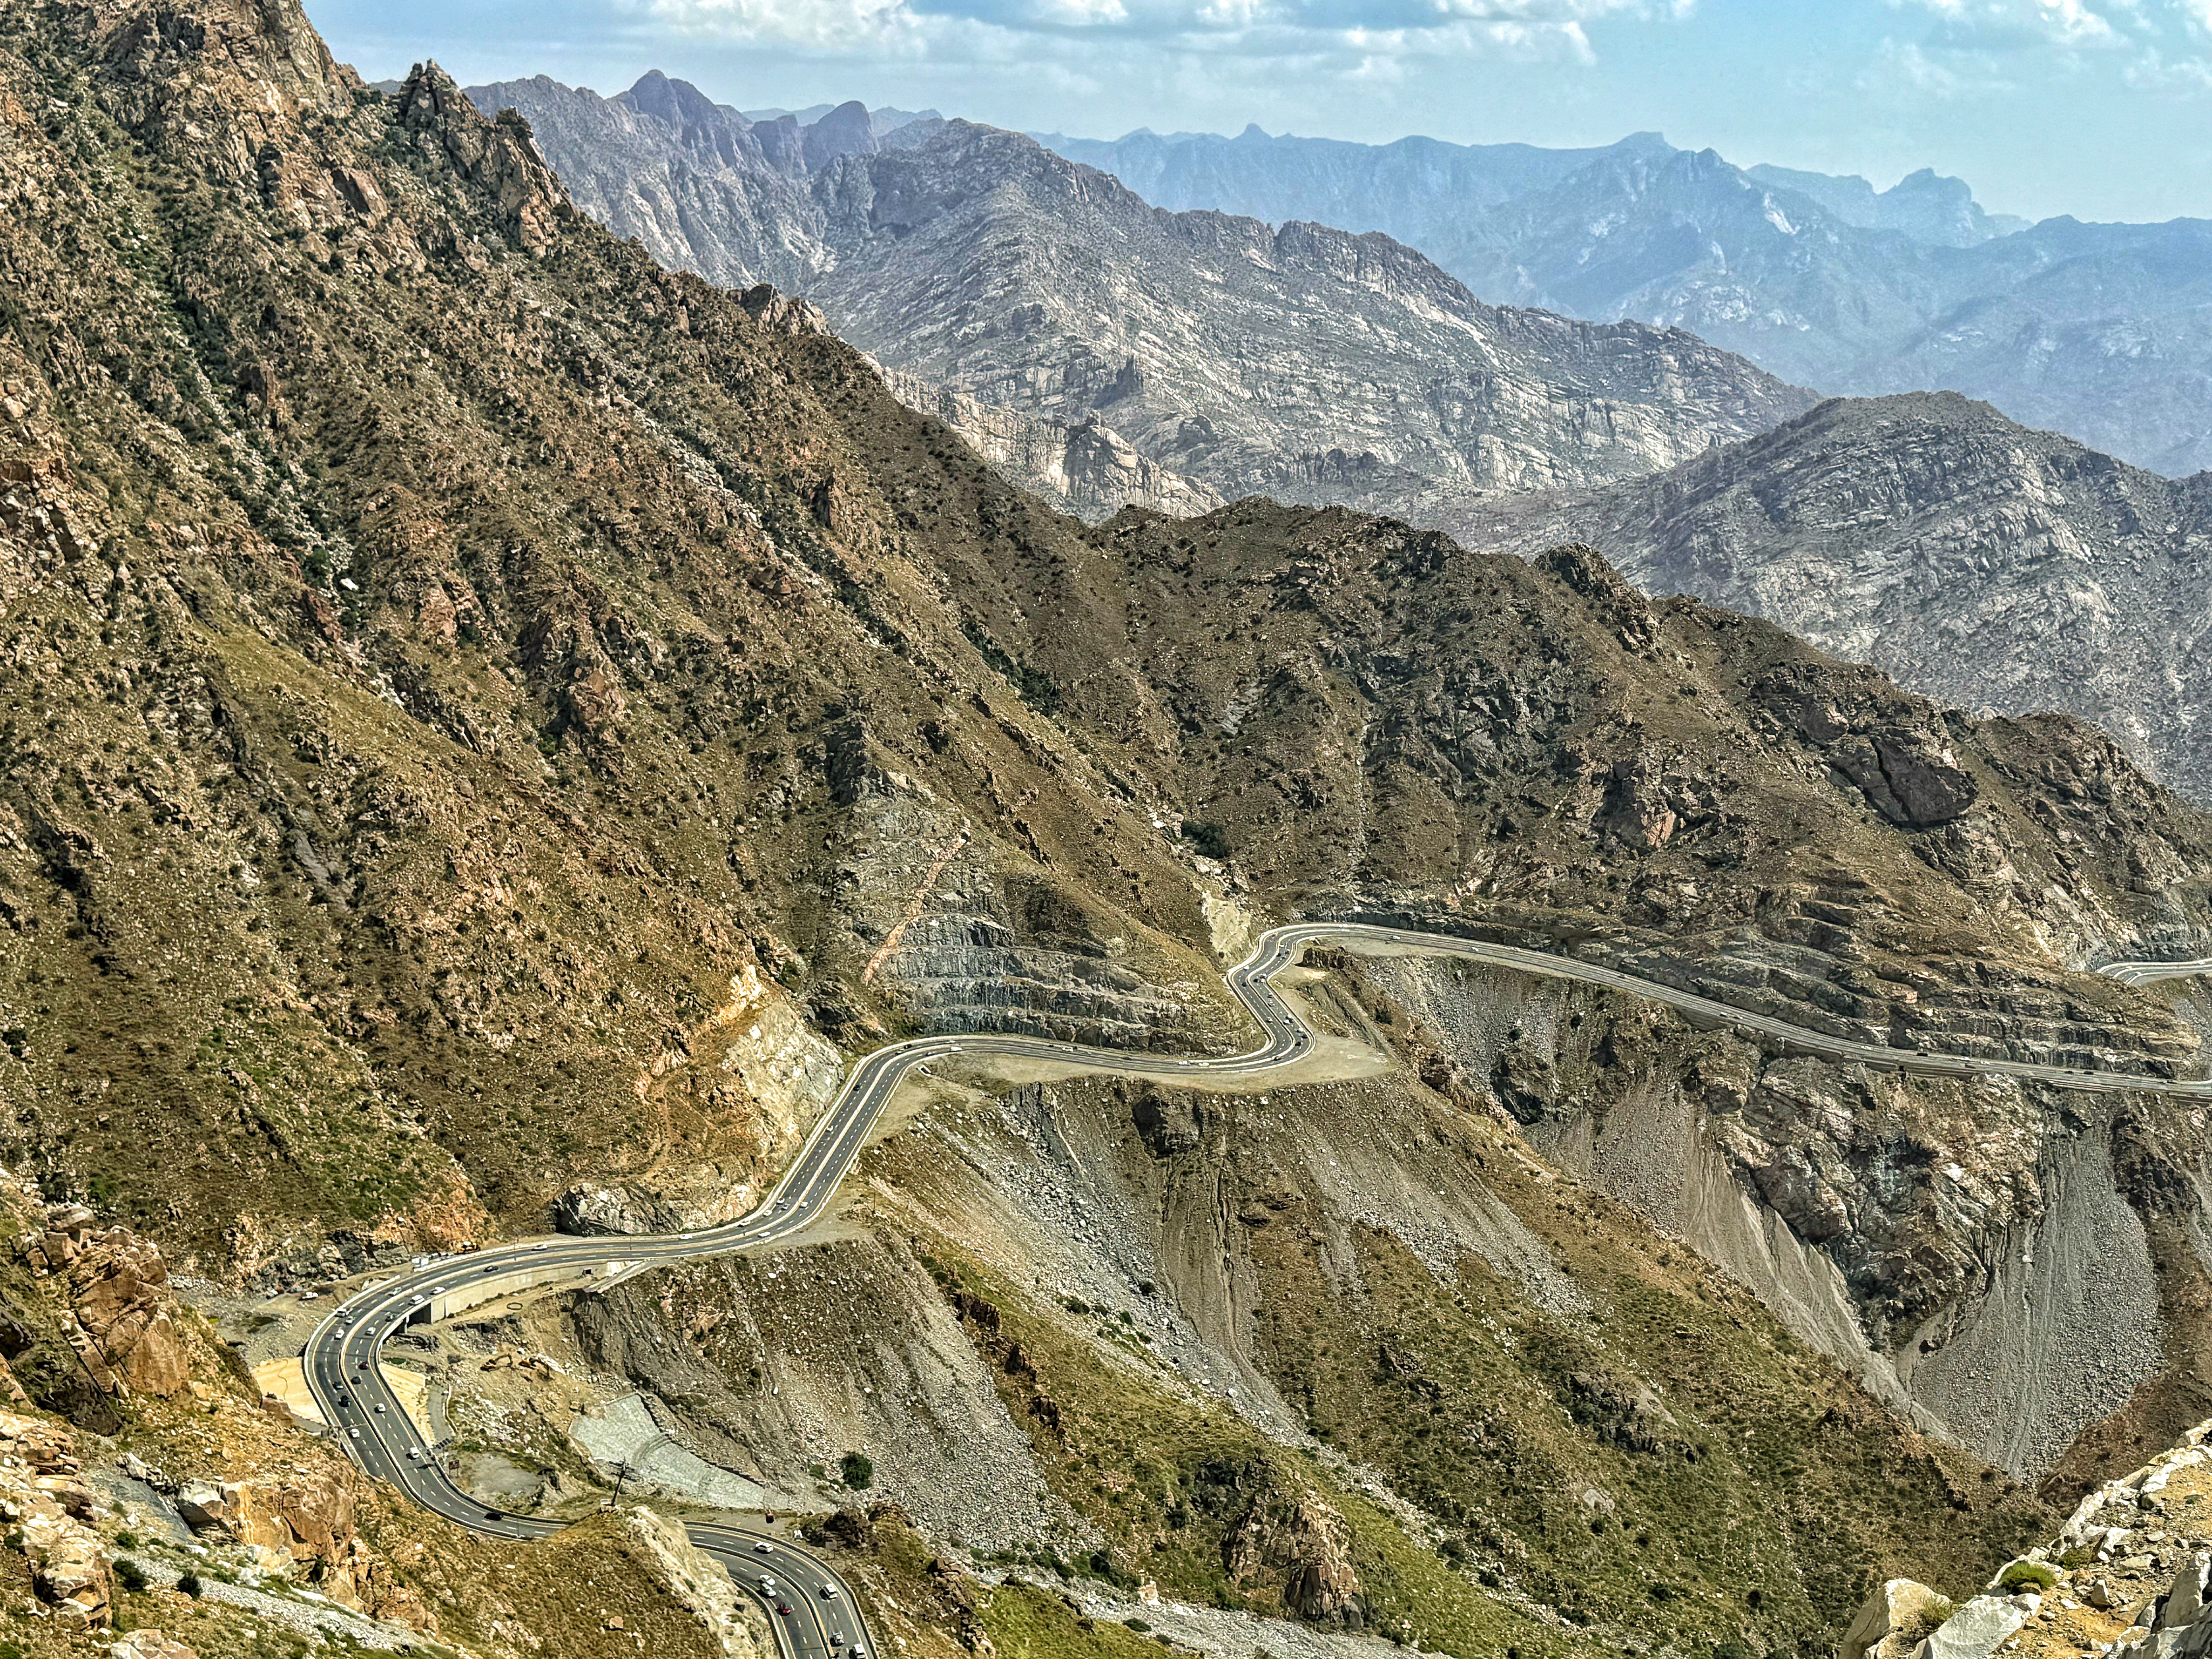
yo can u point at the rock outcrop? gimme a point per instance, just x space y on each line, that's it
43 1498
119 1292
307 1521
1290 1540
1892 1622
498 155
121 1318
700 1583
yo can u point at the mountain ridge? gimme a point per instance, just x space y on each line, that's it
1167 331
1976 559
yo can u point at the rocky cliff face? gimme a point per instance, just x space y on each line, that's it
1298 363
1991 566
2095 331
1087 469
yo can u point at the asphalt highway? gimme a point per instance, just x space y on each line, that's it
810 1607
2143 973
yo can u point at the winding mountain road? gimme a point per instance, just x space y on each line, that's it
811 1608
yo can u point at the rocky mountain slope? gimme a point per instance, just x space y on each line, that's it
1988 565
159 1506
2095 331
1302 363
484 717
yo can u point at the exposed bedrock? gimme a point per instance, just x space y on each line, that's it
1981 1253
777 1365
960 943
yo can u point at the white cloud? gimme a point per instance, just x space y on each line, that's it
2001 23
817 24
1361 36
2154 44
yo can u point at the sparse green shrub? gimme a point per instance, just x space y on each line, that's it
190 1583
1209 838
129 1575
1931 1618
1137 1625
859 1473
2027 1575
126 1540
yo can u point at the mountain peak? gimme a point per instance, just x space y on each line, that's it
498 153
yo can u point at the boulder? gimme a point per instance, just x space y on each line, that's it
69 1568
206 1507
2181 1623
1885 1619
1976 1630
151 1644
2186 1601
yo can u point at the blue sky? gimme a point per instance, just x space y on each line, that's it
2099 108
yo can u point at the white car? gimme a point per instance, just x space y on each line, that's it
355 1433
763 1548
829 1592
768 1583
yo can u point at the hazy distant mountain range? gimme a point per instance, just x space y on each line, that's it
2101 331
1224 357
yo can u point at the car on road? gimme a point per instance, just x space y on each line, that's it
784 1607
764 1547
829 1592
355 1433
768 1584
493 1514
380 1409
